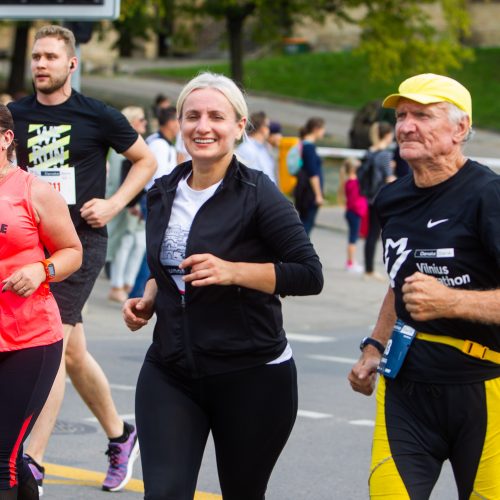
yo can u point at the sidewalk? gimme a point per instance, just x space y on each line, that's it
332 217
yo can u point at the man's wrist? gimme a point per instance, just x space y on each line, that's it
373 342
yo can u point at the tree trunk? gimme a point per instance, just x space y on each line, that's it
18 59
235 37
166 29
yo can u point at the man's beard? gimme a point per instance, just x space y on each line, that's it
56 84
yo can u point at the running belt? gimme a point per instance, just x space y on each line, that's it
468 347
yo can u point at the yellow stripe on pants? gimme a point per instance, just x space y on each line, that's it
487 482
385 481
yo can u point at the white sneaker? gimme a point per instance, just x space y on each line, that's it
354 268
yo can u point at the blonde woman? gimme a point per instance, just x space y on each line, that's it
223 244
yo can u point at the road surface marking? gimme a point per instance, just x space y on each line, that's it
312 414
333 359
361 422
84 477
126 416
309 338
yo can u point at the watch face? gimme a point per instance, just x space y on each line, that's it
51 270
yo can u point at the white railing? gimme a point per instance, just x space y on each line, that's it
493 163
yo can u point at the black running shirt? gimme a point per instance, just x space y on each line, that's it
450 231
77 133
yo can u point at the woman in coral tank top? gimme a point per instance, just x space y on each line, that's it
38 244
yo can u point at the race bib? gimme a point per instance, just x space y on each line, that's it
61 179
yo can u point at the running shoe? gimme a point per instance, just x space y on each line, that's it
121 458
354 268
38 472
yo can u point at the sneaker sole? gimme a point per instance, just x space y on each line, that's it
132 458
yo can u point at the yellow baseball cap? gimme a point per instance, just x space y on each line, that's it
429 88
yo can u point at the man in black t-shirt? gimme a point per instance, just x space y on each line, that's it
437 338
64 137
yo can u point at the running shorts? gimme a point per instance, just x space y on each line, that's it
419 426
72 293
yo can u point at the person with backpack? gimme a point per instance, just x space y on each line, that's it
308 192
375 171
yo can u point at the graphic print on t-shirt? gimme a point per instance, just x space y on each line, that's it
48 156
173 252
48 145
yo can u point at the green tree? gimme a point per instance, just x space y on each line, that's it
397 35
163 25
132 25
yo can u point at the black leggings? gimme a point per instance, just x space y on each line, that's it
250 414
371 239
26 377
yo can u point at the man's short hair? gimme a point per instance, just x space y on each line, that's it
256 121
166 114
61 33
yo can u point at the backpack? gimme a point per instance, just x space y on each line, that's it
370 177
294 160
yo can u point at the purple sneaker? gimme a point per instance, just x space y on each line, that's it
38 472
121 458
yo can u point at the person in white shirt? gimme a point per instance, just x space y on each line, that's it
254 151
161 143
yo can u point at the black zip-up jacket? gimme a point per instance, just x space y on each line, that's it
217 329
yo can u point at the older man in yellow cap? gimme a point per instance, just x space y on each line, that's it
436 342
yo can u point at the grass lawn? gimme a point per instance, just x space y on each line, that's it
342 79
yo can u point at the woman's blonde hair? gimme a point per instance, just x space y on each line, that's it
218 82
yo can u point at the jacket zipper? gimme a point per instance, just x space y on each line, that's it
184 301
187 334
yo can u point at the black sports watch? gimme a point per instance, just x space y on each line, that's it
371 341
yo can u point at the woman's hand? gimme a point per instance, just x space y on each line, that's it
25 280
206 269
137 312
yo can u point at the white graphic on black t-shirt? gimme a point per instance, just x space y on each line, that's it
402 254
48 145
442 272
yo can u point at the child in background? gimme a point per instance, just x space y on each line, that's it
356 211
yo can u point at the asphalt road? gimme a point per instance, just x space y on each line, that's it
328 454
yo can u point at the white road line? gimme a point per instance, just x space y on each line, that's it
366 422
127 416
313 414
309 338
333 359
116 387
119 387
